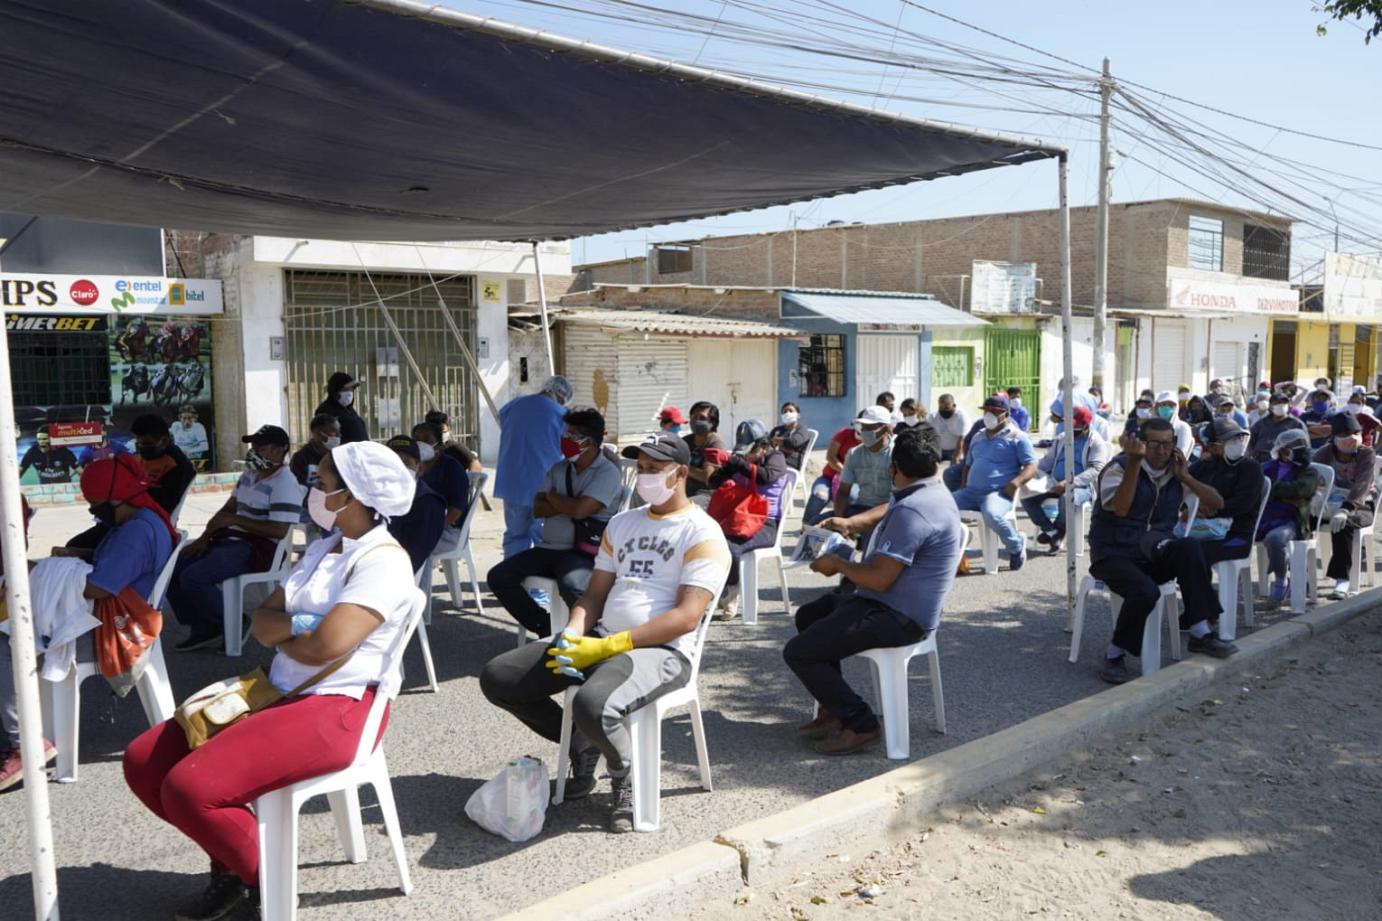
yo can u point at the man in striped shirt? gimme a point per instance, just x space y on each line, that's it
239 538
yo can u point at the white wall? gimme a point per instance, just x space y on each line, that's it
1082 358
261 317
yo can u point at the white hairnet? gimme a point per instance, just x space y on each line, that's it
559 386
375 475
1290 439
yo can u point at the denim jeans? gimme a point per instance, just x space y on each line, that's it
521 529
1276 541
818 505
951 476
1033 506
994 507
195 590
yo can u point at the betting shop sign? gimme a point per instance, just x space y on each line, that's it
106 294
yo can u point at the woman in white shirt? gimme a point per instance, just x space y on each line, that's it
345 602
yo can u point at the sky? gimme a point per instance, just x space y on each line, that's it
1257 58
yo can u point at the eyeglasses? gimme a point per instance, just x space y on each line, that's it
1161 445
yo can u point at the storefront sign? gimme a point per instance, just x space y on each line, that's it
69 434
1186 293
38 323
1352 287
1003 287
102 294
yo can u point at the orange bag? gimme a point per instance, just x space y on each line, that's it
738 508
128 628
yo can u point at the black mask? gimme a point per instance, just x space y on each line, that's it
947 413
700 426
1300 456
104 512
151 452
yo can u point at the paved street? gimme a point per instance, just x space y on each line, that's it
1003 656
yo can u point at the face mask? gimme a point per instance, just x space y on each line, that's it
990 421
333 442
1300 456
1353 409
1347 444
425 451
909 420
446 437
104 512
1233 451
321 516
869 437
570 447
1143 412
673 429
1278 409
1166 412
947 413
256 461
152 452
1080 433
788 417
700 426
652 488
1015 401
1320 407
1264 393
1183 397
345 397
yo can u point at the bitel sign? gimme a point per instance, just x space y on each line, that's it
109 294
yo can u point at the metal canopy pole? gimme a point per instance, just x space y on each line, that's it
542 302
21 621
1068 389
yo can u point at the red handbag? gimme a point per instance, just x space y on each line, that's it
738 508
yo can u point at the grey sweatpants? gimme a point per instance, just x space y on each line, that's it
9 704
521 683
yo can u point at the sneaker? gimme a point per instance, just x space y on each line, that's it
12 765
621 805
1016 560
1044 537
729 604
847 742
1211 645
1116 671
582 780
200 641
1055 544
823 725
1278 591
1340 590
222 895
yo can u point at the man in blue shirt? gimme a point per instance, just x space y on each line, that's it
1021 418
529 444
901 585
999 460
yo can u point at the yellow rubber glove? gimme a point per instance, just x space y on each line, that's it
584 651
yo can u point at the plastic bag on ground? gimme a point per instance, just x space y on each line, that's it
512 804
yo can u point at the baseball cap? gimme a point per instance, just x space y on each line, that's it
748 433
1222 428
1166 396
266 435
1224 400
997 401
673 415
666 447
1083 416
405 444
874 415
1344 424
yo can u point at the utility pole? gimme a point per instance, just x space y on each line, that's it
1101 231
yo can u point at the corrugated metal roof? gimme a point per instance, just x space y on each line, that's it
672 324
857 307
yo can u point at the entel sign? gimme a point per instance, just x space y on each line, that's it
106 294
1194 294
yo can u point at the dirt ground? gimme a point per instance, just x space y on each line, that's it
1262 801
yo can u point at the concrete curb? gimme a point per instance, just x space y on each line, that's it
766 848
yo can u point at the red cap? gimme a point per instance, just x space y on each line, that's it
1083 416
673 415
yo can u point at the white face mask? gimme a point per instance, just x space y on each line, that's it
1233 451
1352 409
1347 443
1143 412
1278 409
652 488
321 516
787 418
910 420
425 451
869 437
345 397
990 421
333 442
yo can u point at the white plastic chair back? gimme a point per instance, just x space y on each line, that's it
812 436
748 562
165 577
1326 475
625 496
390 679
477 483
177 509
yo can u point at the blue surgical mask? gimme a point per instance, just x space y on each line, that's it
1320 406
674 429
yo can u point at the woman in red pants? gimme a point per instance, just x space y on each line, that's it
343 601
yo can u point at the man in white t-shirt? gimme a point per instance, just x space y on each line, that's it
659 569
951 425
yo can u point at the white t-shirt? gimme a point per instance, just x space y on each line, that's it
950 430
651 557
373 572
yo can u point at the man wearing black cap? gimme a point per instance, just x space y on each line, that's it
1238 479
658 568
1264 432
419 529
239 538
340 399
1351 502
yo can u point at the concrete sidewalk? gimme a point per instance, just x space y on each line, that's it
1002 653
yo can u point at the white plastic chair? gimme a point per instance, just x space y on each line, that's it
800 486
277 810
558 613
61 701
424 584
891 688
1075 530
1303 554
988 540
645 734
1232 574
450 562
748 563
233 593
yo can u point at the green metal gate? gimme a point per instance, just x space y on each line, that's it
1012 358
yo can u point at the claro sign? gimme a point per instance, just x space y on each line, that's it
1187 293
106 294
